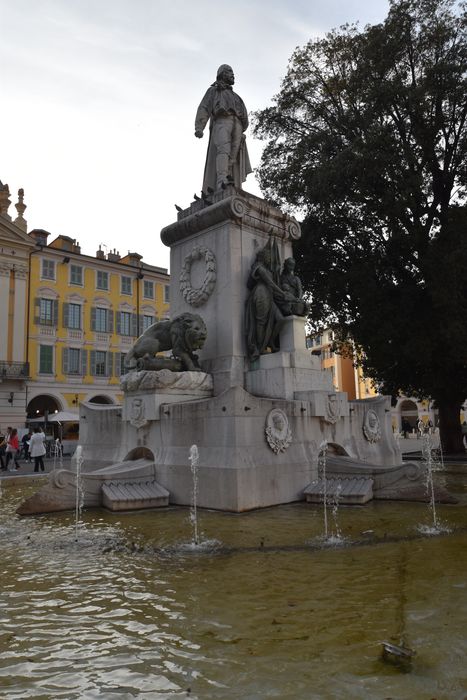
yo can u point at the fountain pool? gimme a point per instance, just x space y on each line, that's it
263 611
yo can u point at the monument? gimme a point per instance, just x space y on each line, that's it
253 398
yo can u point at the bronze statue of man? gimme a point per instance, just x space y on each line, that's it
227 160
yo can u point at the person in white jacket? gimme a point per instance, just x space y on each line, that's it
37 449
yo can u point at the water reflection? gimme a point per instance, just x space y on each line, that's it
261 611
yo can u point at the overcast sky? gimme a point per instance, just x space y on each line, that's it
98 99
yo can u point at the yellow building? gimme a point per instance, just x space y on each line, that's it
84 314
340 365
15 250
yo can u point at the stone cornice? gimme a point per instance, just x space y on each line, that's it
237 206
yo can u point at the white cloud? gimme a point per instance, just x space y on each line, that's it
99 101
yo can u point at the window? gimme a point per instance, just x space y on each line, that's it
74 361
125 323
166 293
102 280
46 312
101 363
72 316
148 289
101 324
148 321
76 275
48 269
46 359
127 286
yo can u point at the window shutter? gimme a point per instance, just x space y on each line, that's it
55 312
110 321
109 363
117 363
37 311
118 319
92 354
65 315
141 324
84 361
65 362
93 318
134 325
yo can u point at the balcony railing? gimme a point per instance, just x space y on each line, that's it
14 370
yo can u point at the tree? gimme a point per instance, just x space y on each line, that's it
367 138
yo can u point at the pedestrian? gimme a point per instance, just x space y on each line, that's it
2 451
420 427
25 442
37 449
405 427
12 449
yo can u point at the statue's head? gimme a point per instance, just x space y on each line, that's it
226 74
289 264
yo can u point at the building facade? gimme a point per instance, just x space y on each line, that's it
15 251
68 320
85 313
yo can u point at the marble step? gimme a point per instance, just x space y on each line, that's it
348 491
133 495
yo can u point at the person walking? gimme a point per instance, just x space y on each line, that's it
12 448
37 449
25 443
2 451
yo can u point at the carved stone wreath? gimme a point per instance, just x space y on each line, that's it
371 426
198 297
278 433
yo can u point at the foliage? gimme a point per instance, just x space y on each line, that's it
367 138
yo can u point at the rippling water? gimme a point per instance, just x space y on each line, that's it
262 609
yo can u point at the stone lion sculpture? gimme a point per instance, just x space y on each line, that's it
182 335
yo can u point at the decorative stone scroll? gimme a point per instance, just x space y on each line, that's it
278 433
371 426
198 297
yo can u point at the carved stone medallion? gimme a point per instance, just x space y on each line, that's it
371 426
137 417
278 433
198 297
332 409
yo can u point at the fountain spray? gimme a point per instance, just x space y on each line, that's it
194 460
79 488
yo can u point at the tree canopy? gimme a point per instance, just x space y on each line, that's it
367 139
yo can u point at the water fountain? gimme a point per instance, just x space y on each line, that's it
194 461
249 394
433 464
79 492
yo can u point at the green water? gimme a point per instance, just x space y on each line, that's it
260 610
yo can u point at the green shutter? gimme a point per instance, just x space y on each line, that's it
84 362
117 363
37 311
92 354
134 325
109 364
66 315
110 321
55 312
65 361
93 318
118 322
